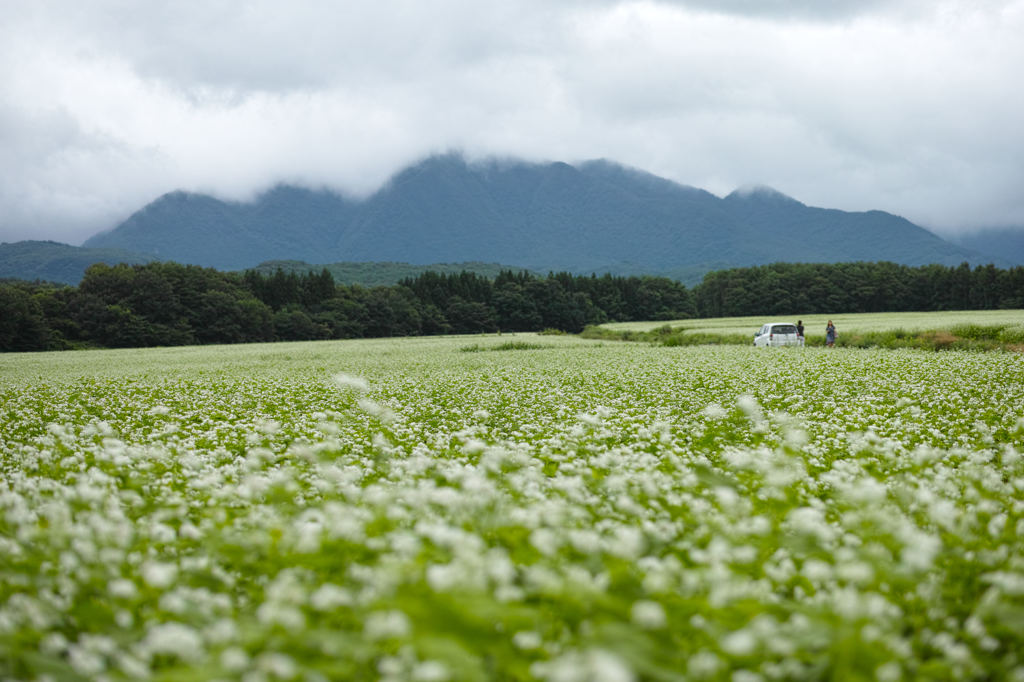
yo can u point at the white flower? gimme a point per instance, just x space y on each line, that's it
585 540
234 659
328 597
277 664
545 540
443 577
920 550
474 446
132 667
159 575
430 671
627 542
175 639
714 411
122 588
746 676
189 531
889 672
386 625
817 571
595 665
342 380
703 665
739 643
269 427
375 409
857 572
811 521
648 614
750 407
274 612
527 640
221 631
1005 581
85 662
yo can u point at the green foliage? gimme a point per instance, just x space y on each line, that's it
977 332
665 335
802 288
170 304
378 274
507 345
1012 334
22 324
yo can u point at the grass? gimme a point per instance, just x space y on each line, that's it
955 330
815 324
508 345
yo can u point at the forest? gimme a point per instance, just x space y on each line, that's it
168 304
800 288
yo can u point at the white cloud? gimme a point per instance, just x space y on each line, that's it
905 105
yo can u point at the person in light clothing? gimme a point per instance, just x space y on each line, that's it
830 334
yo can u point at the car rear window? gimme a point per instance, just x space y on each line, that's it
783 329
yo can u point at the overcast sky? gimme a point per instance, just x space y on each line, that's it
909 106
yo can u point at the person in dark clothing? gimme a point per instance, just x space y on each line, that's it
830 334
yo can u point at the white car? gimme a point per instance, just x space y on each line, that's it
778 334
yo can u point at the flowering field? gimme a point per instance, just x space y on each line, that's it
548 509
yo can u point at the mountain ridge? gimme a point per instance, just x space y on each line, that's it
594 216
52 261
1005 242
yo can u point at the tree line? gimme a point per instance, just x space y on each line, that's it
801 288
168 304
165 304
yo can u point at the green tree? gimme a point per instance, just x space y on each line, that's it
22 323
293 324
470 317
516 311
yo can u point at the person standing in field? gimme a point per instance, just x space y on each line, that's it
830 334
800 332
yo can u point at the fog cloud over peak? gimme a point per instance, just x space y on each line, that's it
900 105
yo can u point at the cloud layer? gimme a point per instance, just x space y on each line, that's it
907 106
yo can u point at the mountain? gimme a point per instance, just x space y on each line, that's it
1006 243
823 235
65 264
285 223
596 216
55 262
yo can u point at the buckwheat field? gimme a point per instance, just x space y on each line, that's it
547 509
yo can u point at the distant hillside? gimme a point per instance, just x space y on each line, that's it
380 274
593 217
55 262
1006 243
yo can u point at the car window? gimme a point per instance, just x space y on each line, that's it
784 329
